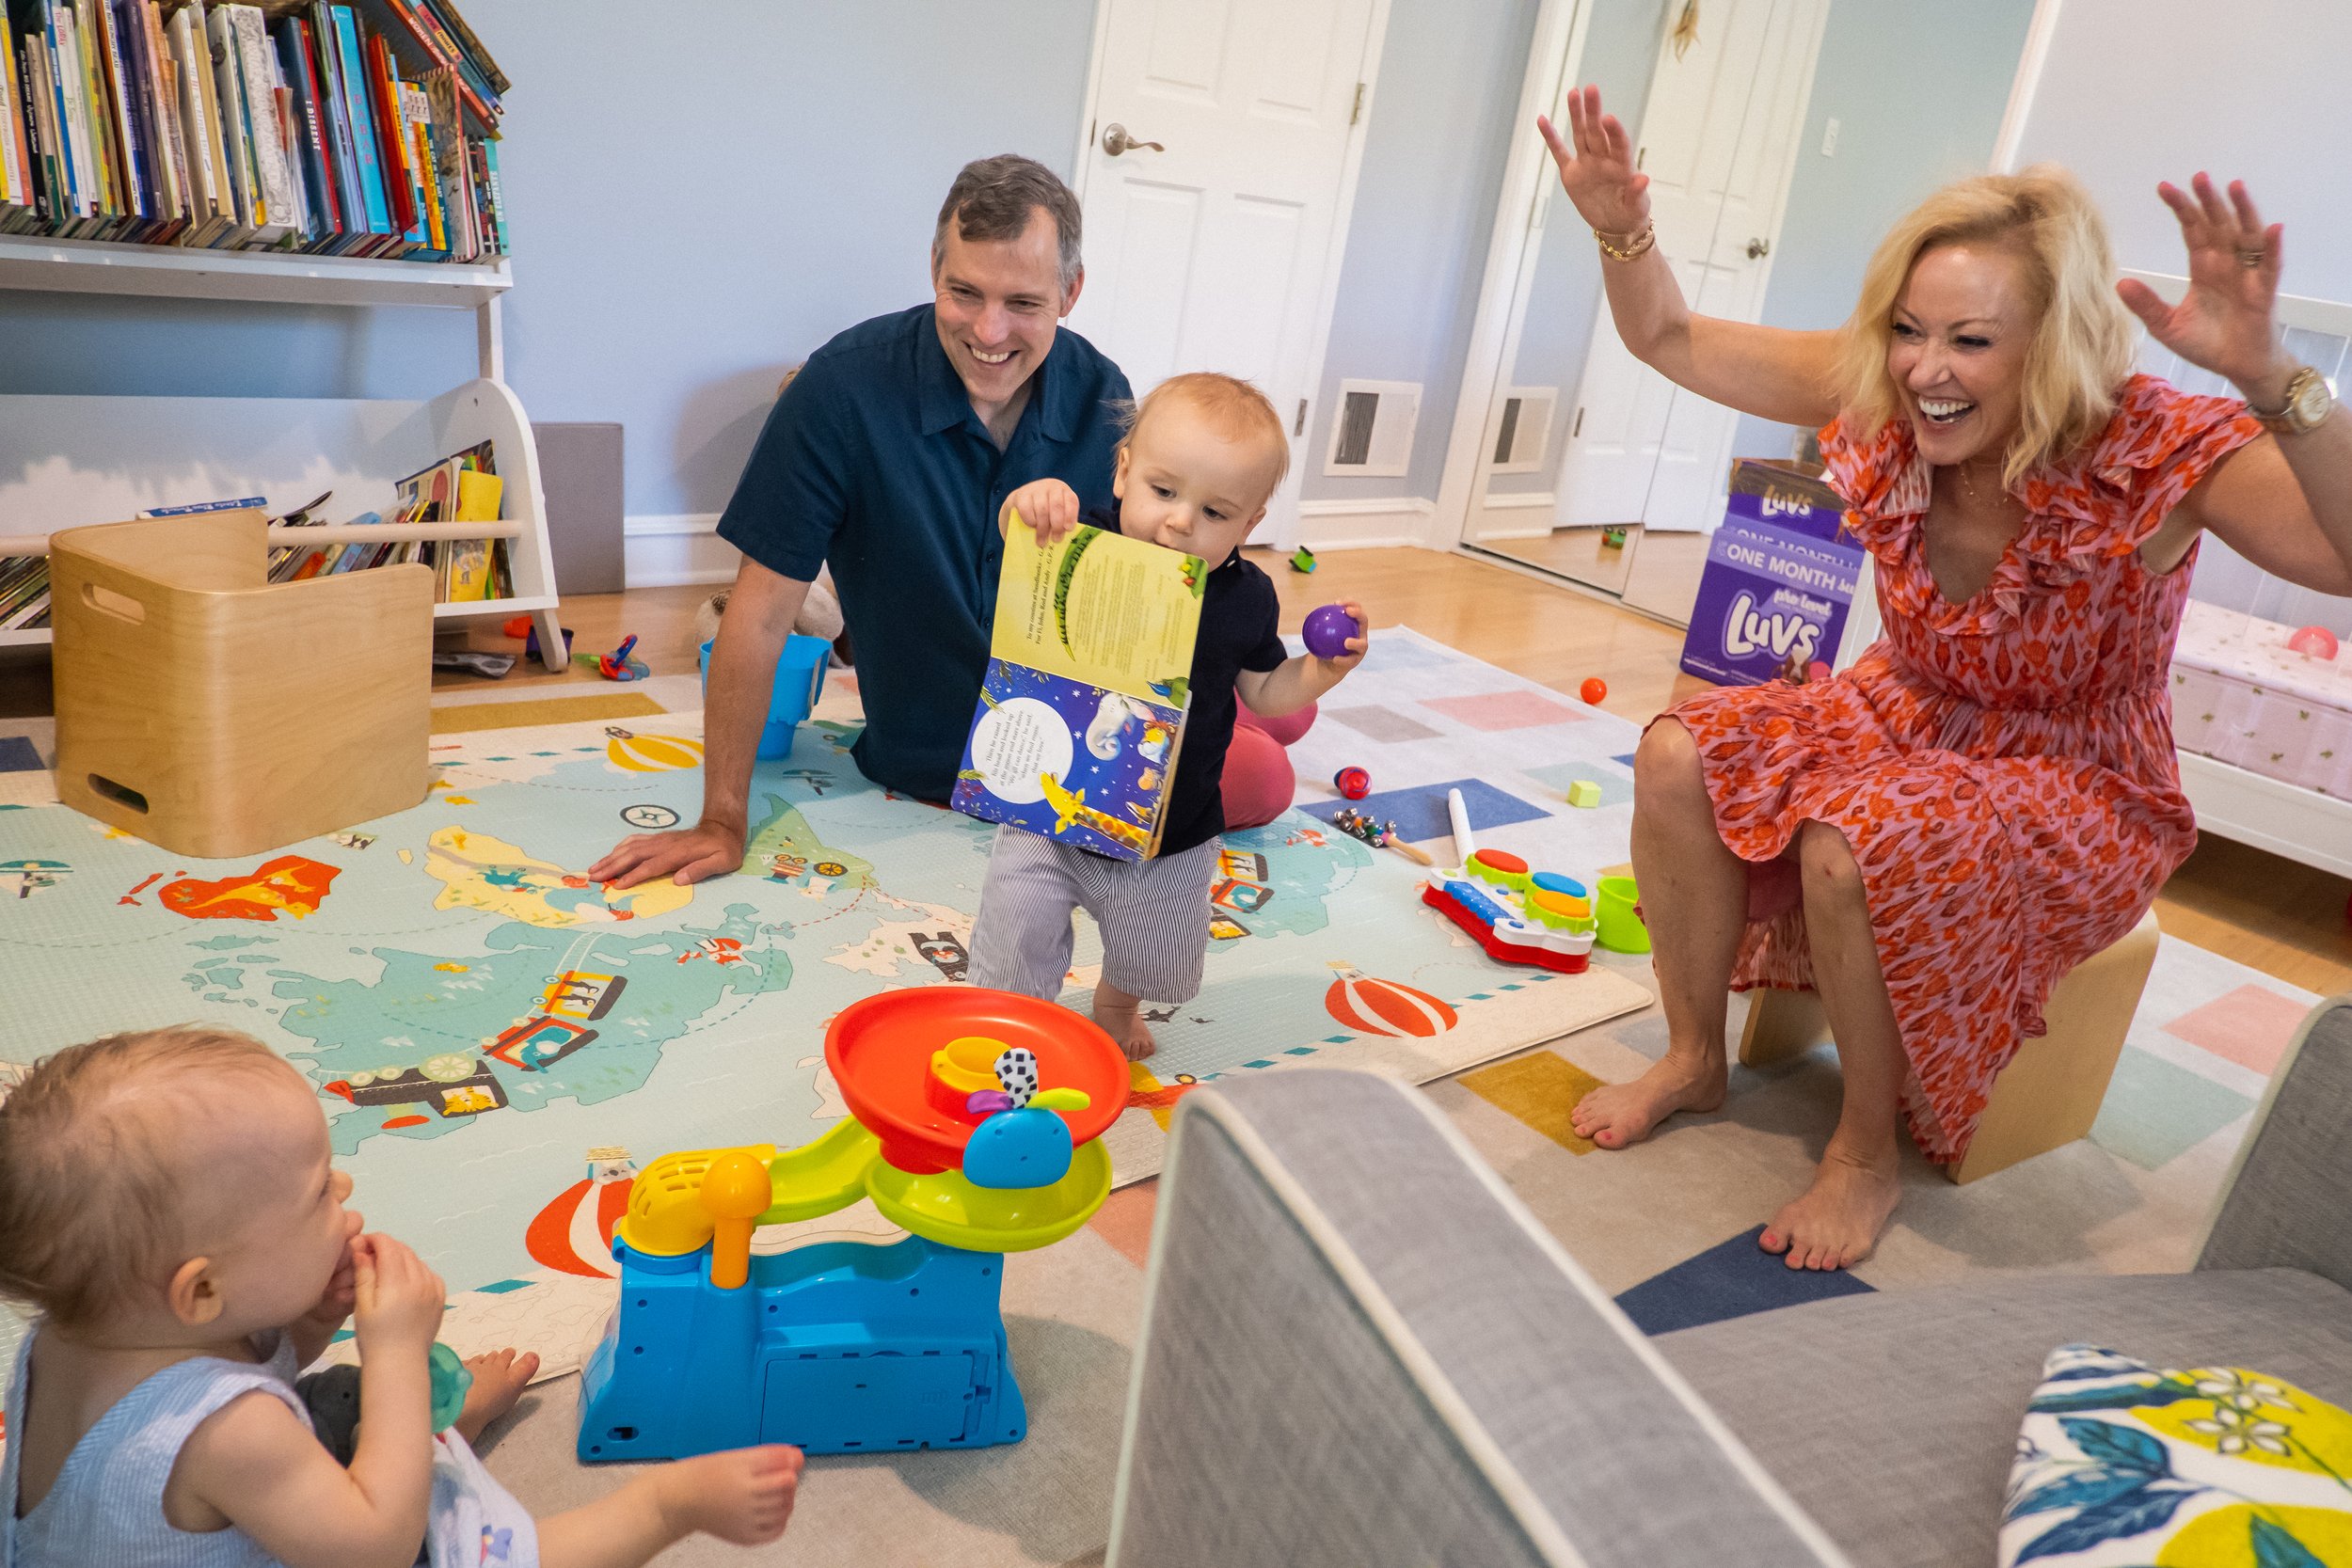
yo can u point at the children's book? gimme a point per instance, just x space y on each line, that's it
1082 710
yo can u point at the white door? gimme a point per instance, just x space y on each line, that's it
1717 139
1214 249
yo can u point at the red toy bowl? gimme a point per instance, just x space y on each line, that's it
881 1049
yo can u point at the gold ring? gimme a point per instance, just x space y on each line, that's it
2253 258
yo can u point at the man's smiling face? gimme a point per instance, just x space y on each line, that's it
998 303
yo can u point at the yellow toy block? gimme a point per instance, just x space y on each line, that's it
1583 792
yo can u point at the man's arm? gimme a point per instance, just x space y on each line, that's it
759 616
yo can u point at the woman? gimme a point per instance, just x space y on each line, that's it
1989 795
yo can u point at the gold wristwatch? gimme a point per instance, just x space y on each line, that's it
2308 402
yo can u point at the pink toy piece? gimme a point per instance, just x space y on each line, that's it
1327 631
2314 643
1353 782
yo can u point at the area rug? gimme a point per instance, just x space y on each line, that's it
498 1041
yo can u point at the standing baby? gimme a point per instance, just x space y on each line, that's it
1198 464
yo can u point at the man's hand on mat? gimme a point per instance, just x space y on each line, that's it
1046 505
685 855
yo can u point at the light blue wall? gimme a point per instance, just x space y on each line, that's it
1450 74
1917 87
698 197
2136 91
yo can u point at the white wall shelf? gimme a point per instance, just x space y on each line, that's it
100 267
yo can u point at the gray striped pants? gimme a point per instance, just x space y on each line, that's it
1154 915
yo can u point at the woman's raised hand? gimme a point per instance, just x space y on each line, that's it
1609 192
2222 323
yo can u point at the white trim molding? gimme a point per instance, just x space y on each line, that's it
664 550
1373 523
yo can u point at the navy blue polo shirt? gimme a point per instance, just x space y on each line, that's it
1238 611
873 461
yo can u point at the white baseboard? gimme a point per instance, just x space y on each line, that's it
662 551
1379 522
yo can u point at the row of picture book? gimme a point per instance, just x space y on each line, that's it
365 130
465 488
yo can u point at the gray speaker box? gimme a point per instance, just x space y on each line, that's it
580 468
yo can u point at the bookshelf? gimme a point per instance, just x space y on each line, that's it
295 278
70 460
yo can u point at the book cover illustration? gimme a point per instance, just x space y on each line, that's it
1082 710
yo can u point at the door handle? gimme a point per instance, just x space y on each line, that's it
1758 247
1116 140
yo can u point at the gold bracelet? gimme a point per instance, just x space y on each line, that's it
1634 246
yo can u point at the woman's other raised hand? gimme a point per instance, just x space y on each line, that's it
1609 193
2223 323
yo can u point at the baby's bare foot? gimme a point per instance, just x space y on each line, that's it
1121 1018
1616 1115
500 1377
743 1494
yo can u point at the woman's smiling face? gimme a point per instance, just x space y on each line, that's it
1957 347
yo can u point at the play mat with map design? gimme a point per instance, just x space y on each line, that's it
499 1042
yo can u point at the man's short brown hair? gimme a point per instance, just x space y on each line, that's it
992 200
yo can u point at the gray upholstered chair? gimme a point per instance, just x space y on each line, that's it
1359 1349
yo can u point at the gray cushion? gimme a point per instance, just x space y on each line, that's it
1288 1412
1892 1417
2286 1204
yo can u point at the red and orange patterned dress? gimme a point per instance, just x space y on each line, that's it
2003 767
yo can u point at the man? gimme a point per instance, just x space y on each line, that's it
888 458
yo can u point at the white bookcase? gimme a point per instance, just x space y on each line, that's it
66 461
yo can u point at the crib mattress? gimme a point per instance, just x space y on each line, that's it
2242 696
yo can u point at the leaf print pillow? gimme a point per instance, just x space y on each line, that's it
2122 1466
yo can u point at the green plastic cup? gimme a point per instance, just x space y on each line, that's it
1621 929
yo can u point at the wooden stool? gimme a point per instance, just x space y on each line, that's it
216 714
2050 1092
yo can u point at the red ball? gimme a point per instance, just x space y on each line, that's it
1592 690
2314 643
1354 782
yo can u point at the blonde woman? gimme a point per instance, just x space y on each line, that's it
1989 796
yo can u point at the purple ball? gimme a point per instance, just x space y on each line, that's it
1327 629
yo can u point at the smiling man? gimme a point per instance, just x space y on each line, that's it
888 458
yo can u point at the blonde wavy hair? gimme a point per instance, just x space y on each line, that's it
2083 337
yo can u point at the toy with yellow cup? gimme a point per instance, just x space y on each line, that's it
974 1124
1524 916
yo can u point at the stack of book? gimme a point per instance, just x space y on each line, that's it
23 592
367 129
461 489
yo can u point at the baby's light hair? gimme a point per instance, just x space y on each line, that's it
94 1200
1235 410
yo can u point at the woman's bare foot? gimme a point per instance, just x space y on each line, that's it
1121 1018
743 1494
500 1377
1616 1115
1836 1223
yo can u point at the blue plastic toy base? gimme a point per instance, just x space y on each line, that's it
843 1347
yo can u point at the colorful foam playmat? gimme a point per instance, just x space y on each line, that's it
501 1045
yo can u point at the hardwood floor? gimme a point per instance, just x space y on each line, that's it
2284 919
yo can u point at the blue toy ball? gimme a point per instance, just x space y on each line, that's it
1018 1148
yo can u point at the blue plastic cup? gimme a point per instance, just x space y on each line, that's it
800 682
